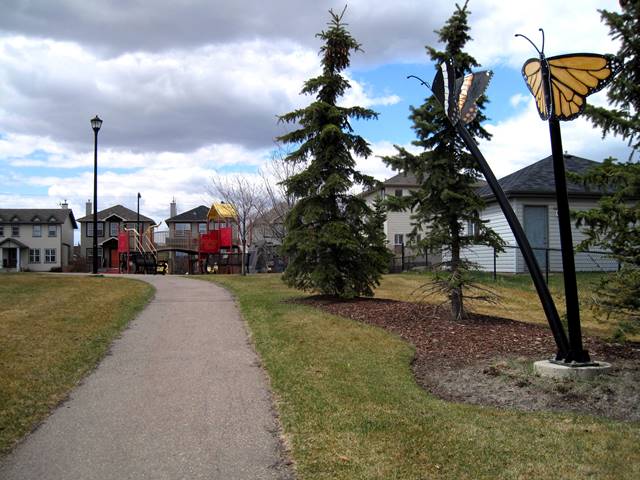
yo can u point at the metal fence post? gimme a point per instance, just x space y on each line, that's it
546 261
495 273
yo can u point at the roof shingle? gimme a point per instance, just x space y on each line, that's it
538 179
126 214
198 214
37 215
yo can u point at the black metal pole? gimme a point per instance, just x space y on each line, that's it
95 202
138 217
495 270
534 269
577 353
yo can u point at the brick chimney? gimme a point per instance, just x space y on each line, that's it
88 209
173 209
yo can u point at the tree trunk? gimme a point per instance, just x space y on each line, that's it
457 307
244 257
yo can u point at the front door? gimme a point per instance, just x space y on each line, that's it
114 258
537 230
12 257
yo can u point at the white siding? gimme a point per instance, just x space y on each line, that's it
482 255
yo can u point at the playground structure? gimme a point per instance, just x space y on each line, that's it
137 253
214 251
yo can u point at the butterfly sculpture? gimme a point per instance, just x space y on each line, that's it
458 95
561 84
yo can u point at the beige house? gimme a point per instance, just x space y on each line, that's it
398 224
39 240
110 221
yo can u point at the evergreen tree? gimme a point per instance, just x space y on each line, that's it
615 224
624 92
446 200
334 240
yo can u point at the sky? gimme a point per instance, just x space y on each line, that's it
191 89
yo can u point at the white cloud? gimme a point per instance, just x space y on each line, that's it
518 99
569 26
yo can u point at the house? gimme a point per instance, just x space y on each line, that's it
531 192
182 237
35 239
398 224
187 225
110 221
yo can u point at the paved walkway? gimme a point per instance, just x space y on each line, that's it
181 396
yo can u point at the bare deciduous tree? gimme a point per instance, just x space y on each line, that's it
278 200
246 197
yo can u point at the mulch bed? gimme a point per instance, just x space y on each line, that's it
447 348
456 343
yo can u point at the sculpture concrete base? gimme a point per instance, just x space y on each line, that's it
546 368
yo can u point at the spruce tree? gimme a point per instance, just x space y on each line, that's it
334 240
445 200
615 224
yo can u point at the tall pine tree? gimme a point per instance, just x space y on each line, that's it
615 224
445 201
334 240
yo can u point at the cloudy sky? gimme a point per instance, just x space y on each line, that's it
190 89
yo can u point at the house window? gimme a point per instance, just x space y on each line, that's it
473 228
183 229
100 229
15 230
34 255
202 228
90 252
1 230
53 231
49 255
398 239
37 231
398 192
114 227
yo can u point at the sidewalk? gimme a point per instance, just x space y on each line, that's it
180 396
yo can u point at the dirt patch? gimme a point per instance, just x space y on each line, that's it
488 360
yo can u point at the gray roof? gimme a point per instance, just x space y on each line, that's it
37 215
124 213
401 180
198 214
538 179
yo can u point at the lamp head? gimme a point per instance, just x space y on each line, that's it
96 123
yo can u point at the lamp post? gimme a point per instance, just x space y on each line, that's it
96 123
138 217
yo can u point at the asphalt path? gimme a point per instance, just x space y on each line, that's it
181 395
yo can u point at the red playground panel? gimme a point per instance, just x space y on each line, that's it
213 241
123 242
209 242
225 237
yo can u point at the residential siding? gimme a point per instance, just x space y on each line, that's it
483 255
585 262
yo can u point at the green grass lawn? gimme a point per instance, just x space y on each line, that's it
518 298
350 407
52 333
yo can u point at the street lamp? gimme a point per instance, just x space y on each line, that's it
138 217
96 123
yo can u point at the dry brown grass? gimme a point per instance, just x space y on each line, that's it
518 299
